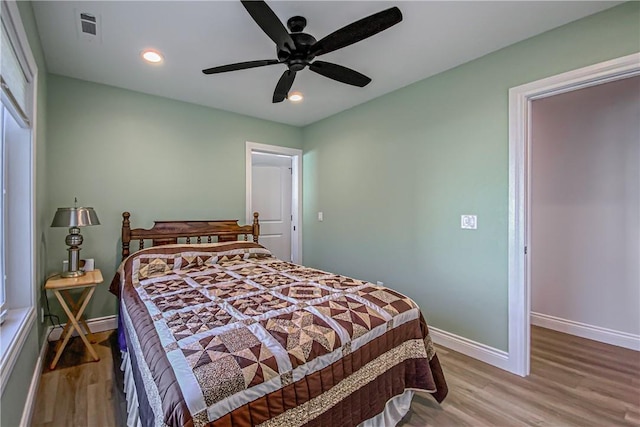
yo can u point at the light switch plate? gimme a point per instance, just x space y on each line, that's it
469 222
320 216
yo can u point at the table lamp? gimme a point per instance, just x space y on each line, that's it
74 218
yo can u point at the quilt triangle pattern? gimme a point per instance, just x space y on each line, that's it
195 262
304 291
154 267
354 316
304 273
180 300
231 290
304 335
163 287
341 282
272 280
214 277
250 271
201 319
256 305
390 301
277 265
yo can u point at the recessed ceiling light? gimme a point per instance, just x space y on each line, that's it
296 97
152 56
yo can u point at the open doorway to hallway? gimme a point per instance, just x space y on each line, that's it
521 99
584 210
274 190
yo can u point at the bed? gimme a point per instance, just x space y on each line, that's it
214 330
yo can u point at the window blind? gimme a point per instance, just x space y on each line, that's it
15 85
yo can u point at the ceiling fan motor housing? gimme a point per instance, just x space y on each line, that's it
300 57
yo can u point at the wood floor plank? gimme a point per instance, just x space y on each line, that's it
573 382
48 387
65 399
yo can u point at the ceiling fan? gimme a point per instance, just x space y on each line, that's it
297 50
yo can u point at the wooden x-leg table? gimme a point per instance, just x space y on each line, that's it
74 309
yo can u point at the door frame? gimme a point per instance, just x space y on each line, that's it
296 190
520 99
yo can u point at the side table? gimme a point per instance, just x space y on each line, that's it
74 309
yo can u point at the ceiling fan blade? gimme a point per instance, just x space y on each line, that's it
270 24
283 86
357 31
340 73
240 66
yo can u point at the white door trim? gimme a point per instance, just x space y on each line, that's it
520 99
296 191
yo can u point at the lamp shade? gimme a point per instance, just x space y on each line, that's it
75 217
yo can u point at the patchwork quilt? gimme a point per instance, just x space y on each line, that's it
226 334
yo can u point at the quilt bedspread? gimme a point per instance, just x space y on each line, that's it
227 334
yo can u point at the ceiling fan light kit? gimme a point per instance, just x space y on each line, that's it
297 50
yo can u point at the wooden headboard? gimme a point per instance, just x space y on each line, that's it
168 232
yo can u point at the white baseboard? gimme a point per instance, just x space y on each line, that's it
27 412
596 333
99 324
482 352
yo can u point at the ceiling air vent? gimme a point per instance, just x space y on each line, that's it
88 25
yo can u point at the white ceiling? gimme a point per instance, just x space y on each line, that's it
433 37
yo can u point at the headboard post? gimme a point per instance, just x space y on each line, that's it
126 234
256 227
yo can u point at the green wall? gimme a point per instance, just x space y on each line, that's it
394 175
15 392
118 150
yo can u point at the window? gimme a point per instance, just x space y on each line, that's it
18 77
3 231
15 213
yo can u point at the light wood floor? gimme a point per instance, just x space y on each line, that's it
573 382
79 391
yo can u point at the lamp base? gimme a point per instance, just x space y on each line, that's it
77 273
74 240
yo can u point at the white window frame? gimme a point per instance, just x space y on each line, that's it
3 215
21 315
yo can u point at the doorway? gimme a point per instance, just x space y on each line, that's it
585 192
274 190
520 132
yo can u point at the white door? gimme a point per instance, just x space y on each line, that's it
271 183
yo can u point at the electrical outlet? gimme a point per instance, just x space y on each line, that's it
320 216
469 222
379 283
